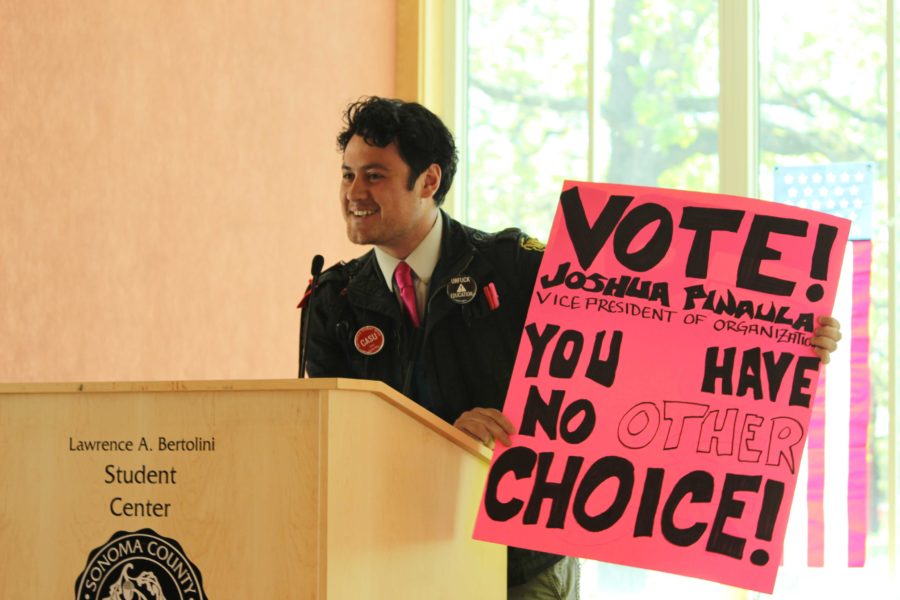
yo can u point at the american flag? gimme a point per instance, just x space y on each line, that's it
829 514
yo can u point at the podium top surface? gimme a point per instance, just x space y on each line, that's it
377 388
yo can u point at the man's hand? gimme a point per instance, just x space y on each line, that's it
486 425
826 337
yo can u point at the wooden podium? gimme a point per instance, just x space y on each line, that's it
325 488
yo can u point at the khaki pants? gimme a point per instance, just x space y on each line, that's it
559 582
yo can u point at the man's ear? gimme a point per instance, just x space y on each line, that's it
431 180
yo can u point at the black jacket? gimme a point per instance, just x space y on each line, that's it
460 358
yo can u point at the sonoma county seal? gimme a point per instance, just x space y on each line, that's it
139 565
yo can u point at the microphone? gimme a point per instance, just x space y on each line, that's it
317 263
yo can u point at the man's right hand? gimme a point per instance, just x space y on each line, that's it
486 425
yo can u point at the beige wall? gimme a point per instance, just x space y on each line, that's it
167 171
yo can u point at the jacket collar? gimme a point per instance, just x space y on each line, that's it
459 256
366 288
422 260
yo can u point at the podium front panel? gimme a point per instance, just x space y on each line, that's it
284 489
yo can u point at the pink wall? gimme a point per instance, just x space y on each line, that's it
167 171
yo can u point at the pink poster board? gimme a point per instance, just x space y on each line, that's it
664 380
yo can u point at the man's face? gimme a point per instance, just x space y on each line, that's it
379 208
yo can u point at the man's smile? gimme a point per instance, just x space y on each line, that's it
362 213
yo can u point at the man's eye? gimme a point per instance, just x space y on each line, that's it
374 176
347 176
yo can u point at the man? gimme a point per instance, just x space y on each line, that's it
398 163
445 303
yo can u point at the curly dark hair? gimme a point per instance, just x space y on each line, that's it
422 138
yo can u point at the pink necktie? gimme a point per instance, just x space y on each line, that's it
403 277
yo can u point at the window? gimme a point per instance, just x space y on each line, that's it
608 91
527 119
823 82
646 93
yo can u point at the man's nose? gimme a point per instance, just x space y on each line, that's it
356 189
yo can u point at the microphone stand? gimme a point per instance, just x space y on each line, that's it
317 263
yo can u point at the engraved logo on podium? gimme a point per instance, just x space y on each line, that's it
139 565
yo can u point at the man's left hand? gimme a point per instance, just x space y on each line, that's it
826 337
486 425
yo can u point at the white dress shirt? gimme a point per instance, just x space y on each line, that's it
422 261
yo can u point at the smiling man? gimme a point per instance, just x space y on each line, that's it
435 309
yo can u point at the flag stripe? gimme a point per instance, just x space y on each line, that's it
860 405
837 430
815 485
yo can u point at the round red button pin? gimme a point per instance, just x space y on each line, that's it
369 340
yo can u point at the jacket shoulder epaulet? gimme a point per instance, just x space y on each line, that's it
510 235
531 244
525 241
